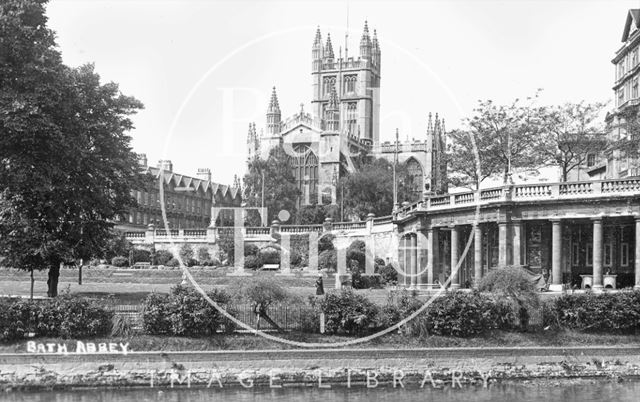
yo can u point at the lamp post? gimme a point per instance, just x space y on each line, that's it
395 162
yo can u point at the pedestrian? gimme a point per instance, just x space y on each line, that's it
319 286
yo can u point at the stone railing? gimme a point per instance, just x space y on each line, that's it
529 192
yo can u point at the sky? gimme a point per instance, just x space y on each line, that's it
204 69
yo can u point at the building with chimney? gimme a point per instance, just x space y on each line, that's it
188 200
343 122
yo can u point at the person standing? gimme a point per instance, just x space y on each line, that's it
319 286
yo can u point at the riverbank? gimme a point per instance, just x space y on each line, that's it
365 367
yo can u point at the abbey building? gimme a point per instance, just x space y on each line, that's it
343 122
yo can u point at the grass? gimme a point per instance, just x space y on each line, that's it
392 341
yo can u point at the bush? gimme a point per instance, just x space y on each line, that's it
141 255
226 247
121 326
459 314
269 255
203 255
173 262
364 281
261 292
326 243
357 252
615 312
251 249
120 261
514 287
184 312
69 316
17 318
186 253
400 304
252 262
348 312
163 257
328 260
388 274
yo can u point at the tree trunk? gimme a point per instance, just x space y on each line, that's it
32 280
52 282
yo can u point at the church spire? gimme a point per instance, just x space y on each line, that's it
316 51
365 42
328 48
273 115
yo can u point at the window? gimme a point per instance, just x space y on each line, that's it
351 118
305 171
624 254
327 84
634 57
350 83
415 173
621 69
620 96
607 255
591 160
634 88
590 254
575 254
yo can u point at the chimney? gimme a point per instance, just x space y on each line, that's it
165 165
204 174
142 160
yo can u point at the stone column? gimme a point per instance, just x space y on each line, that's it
597 255
556 255
637 253
406 270
516 228
502 244
423 260
455 275
477 254
413 258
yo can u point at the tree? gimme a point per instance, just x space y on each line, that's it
65 160
572 133
506 136
280 189
370 188
261 292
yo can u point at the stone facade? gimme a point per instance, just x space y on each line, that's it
345 121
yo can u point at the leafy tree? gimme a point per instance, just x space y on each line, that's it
370 188
262 292
504 135
66 163
280 189
572 133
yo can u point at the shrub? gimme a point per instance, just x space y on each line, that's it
458 314
141 255
69 316
299 250
364 281
357 252
121 326
615 312
184 312
226 247
269 255
120 261
515 288
163 257
328 260
326 243
186 253
252 262
251 249
388 274
203 255
347 312
17 318
261 292
173 262
400 304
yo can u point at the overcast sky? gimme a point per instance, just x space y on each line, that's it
204 69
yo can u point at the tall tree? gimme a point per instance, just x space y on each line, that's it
370 188
572 132
280 190
506 136
65 160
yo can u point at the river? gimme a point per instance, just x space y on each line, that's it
521 392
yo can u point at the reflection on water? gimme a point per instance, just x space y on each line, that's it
582 391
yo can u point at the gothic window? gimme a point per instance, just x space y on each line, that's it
327 84
350 83
351 117
305 170
416 175
634 88
591 160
